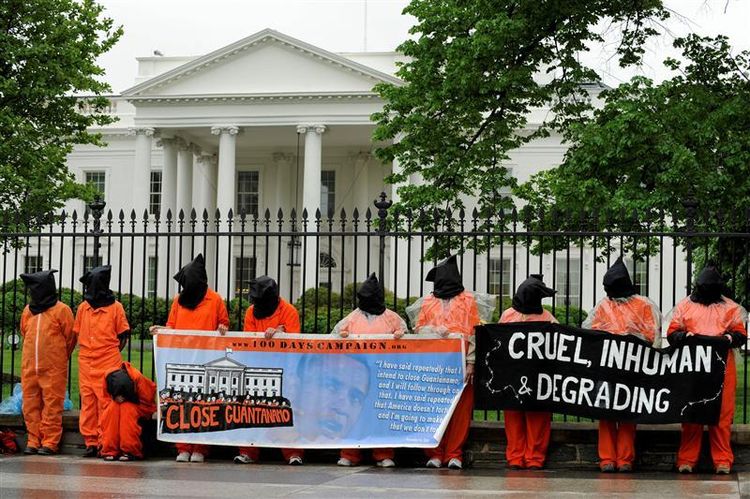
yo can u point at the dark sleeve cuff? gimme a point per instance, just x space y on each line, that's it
124 334
738 339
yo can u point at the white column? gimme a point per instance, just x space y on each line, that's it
184 178
168 177
142 168
226 182
311 196
282 181
205 181
363 198
225 198
396 262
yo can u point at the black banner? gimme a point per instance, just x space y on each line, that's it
197 417
539 366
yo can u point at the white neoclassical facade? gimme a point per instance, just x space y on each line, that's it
272 122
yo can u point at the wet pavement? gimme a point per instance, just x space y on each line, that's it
71 476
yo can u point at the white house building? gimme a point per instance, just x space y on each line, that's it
272 122
224 375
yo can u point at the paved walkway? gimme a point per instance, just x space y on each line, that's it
70 476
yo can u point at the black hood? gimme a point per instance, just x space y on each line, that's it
447 278
96 287
42 290
119 383
708 286
617 283
264 295
529 295
194 282
370 297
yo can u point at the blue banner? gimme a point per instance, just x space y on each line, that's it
306 391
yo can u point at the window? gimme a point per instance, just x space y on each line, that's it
223 380
247 192
153 267
639 273
97 180
154 196
500 278
32 264
200 379
91 262
234 381
567 282
213 380
327 193
182 378
174 377
244 272
191 378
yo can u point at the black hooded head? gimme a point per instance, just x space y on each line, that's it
370 297
194 282
447 278
42 290
529 295
708 286
264 295
96 287
617 283
120 384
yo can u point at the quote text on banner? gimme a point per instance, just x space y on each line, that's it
306 391
539 366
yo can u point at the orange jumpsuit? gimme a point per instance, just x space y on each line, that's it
527 432
711 320
98 331
357 322
205 317
48 341
638 316
285 315
459 314
121 433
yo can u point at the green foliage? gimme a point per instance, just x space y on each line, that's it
475 70
653 147
143 313
48 53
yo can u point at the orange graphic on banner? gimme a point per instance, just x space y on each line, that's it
299 345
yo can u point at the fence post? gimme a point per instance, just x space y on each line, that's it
690 205
382 207
97 208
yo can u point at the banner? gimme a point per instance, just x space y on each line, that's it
306 391
539 366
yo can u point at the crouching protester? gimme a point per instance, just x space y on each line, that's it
48 341
370 317
270 314
452 309
707 312
132 398
528 432
200 308
623 311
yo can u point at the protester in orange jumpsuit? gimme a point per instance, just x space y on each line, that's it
48 341
132 397
370 317
707 312
451 309
200 308
102 329
623 311
528 432
269 313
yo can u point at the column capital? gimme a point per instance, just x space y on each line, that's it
182 144
225 129
143 130
195 149
207 158
168 141
319 129
361 157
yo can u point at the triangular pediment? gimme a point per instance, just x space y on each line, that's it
225 362
265 63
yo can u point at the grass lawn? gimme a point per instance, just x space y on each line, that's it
143 363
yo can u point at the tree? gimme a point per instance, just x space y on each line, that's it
476 69
654 148
48 51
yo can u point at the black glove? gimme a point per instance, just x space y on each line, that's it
738 339
677 338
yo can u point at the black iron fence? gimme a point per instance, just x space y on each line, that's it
318 261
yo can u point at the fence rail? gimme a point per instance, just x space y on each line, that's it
319 260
